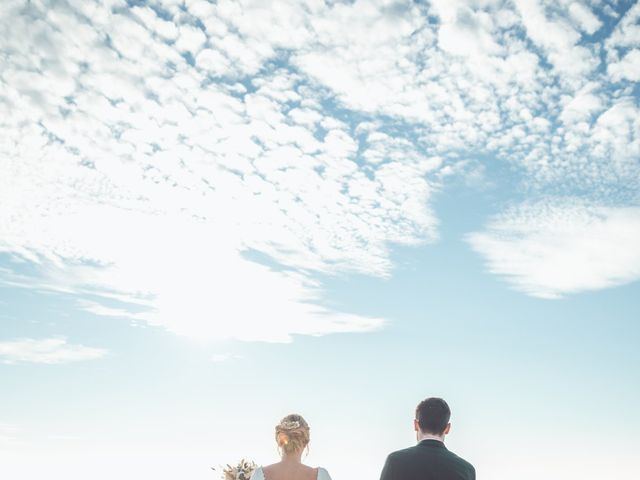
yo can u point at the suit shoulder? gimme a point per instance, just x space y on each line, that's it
405 452
463 462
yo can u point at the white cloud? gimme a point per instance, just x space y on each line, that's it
180 275
464 31
213 62
46 351
627 31
223 357
165 29
558 247
585 18
190 39
255 149
230 173
628 68
616 134
559 40
582 106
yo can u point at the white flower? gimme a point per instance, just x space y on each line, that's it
242 471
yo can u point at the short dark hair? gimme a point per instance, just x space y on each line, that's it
433 415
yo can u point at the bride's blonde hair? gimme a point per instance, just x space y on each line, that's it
292 433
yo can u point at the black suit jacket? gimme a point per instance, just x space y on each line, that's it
428 460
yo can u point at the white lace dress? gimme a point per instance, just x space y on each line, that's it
258 474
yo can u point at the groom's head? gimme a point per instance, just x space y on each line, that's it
432 417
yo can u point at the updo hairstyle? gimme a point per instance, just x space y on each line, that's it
292 433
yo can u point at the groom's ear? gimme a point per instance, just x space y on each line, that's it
416 426
448 429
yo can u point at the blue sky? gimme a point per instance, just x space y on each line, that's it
215 214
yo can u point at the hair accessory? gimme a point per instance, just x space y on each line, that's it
288 425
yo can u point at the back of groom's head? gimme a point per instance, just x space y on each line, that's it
433 415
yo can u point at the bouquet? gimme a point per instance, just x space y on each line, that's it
241 471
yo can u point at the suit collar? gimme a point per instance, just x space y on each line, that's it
432 443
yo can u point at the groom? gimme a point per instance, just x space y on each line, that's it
429 459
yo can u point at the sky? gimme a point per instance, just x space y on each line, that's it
213 214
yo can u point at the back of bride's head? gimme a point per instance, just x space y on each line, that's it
292 433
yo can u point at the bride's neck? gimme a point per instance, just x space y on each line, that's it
294 457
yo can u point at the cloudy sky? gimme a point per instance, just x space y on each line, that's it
213 214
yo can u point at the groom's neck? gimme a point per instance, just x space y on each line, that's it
429 436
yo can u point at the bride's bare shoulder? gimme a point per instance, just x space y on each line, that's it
278 471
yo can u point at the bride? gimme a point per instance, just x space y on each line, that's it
292 435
